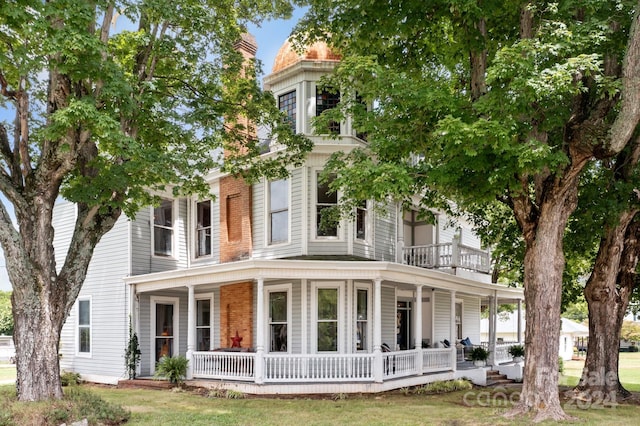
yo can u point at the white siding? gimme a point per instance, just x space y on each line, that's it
389 316
471 318
442 316
385 235
109 308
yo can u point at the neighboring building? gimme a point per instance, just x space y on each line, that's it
507 332
309 306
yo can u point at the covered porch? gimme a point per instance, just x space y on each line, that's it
427 300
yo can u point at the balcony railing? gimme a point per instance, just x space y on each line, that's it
447 256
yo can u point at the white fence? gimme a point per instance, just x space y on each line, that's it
318 368
223 365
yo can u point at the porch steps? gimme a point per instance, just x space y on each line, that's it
494 378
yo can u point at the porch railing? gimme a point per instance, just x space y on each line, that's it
300 368
318 367
447 255
502 353
223 365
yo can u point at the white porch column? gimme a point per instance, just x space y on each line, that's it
452 334
377 330
493 315
399 233
418 329
258 369
191 329
519 321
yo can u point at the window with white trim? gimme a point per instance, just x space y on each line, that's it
203 228
327 319
203 324
328 99
362 318
278 321
84 326
287 103
326 202
163 229
361 220
278 211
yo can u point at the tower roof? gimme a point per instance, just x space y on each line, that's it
288 56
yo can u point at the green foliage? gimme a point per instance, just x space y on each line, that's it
479 354
234 394
6 316
630 331
172 368
69 378
560 365
445 386
132 353
577 311
76 405
516 351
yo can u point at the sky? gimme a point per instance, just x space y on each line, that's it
270 36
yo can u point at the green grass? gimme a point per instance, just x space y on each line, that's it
478 406
153 407
7 373
628 369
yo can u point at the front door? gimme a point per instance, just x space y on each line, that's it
164 326
403 325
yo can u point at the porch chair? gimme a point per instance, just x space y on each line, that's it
466 345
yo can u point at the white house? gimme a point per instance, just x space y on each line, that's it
258 296
507 331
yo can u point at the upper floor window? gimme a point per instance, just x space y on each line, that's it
163 229
203 228
361 221
278 211
84 326
326 202
327 99
287 103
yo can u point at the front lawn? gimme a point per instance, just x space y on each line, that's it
7 373
629 371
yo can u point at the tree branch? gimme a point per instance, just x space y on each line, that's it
627 120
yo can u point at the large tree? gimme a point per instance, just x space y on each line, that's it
483 101
104 102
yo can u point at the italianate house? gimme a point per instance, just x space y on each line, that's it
260 297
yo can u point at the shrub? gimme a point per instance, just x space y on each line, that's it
445 386
69 378
96 410
234 394
560 365
633 348
132 353
172 368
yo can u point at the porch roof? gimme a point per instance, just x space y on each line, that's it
248 270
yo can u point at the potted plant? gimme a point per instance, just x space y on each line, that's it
517 352
479 356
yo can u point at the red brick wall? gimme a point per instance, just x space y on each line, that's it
235 220
236 314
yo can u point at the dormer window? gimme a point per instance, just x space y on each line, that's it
287 104
327 99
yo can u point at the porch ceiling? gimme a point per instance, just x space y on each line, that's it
408 277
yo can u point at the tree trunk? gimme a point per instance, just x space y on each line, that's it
607 292
36 335
543 232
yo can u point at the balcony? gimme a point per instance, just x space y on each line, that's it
447 256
